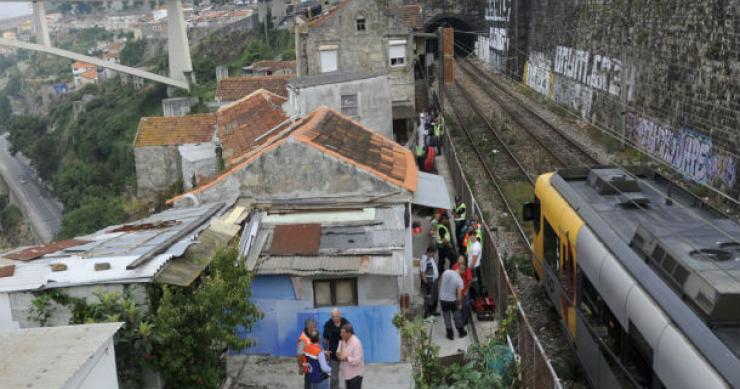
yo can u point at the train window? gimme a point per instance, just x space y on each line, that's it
552 247
589 297
639 357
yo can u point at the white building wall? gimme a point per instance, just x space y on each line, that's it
375 109
6 314
98 372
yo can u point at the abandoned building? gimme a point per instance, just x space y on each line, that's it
187 150
364 97
347 191
362 37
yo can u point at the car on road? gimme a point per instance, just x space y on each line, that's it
24 181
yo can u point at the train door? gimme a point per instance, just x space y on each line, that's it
567 277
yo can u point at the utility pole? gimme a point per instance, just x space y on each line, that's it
441 72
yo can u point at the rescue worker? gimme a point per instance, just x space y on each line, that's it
442 241
304 340
459 216
438 131
419 153
316 368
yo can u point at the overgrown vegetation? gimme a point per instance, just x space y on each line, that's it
182 334
487 365
10 220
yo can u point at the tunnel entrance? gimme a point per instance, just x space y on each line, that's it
464 40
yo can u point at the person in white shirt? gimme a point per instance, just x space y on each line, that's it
474 259
429 274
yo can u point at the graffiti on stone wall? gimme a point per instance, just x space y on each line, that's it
688 151
598 71
499 39
498 10
537 74
575 96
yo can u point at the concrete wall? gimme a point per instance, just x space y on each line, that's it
363 52
98 372
373 98
665 73
157 169
197 160
297 171
284 316
21 303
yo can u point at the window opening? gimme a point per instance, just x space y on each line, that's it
349 105
341 291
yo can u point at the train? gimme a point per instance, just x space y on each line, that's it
644 276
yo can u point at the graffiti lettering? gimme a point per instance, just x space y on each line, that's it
598 71
688 151
498 10
499 39
538 73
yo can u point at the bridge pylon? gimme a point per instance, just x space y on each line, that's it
40 24
181 66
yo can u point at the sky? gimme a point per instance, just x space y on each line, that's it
13 9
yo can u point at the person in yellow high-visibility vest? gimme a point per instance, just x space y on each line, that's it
442 241
438 131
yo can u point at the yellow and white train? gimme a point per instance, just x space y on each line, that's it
645 277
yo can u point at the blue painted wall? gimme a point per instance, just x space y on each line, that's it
277 333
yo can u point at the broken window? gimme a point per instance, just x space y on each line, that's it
328 60
349 105
342 291
361 23
397 53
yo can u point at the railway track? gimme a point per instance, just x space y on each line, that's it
550 140
495 158
513 164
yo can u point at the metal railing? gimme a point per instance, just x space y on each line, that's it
536 367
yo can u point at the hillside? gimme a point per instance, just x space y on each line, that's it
89 160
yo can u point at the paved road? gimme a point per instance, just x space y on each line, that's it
37 204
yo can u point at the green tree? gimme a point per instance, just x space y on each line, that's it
195 327
92 214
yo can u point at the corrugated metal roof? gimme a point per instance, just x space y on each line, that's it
118 249
39 251
298 239
50 357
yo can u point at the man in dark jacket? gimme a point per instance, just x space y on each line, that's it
331 333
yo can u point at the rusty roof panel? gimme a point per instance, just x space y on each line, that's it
146 226
39 251
296 239
7 271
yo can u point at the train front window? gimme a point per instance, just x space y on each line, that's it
551 247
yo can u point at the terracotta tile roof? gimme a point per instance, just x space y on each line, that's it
232 89
82 65
242 124
326 15
411 15
339 136
91 74
175 130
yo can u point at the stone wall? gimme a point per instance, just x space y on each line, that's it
296 171
664 73
360 51
157 169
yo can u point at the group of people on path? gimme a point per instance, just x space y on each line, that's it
452 287
341 354
429 140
